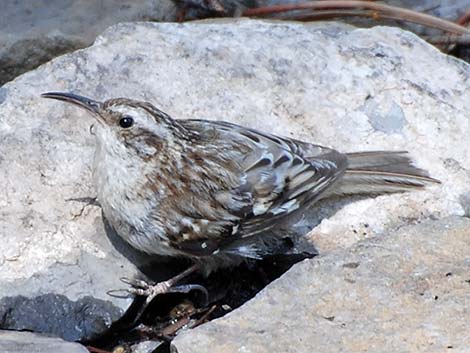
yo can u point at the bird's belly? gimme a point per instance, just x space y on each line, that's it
140 232
129 210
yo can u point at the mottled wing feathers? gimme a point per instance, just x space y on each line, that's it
276 176
296 174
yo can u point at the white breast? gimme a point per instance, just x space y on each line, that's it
119 182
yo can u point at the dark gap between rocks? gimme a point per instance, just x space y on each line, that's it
228 289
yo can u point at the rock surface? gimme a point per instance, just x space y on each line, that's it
35 31
406 292
352 89
145 347
27 342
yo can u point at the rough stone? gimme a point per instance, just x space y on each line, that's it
70 320
28 342
35 31
405 292
313 82
145 347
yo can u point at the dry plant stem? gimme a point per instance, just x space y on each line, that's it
450 39
172 329
96 350
328 15
382 10
204 317
464 20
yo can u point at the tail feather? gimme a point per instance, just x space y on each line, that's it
380 172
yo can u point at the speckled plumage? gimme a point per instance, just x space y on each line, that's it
210 190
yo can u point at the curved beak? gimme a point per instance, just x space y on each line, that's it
83 102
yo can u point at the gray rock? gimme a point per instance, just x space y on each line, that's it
71 320
145 347
312 82
405 292
33 32
27 342
465 202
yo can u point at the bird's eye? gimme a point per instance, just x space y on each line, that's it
126 122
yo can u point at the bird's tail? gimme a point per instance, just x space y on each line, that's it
380 172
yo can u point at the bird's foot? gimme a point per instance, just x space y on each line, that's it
152 290
140 287
149 290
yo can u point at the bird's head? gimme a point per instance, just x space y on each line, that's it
126 124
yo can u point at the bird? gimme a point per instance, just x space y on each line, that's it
214 191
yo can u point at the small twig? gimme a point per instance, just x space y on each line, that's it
464 19
327 15
96 350
382 10
171 329
204 317
463 39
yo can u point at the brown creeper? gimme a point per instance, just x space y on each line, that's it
211 191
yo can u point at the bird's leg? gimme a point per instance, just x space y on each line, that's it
142 288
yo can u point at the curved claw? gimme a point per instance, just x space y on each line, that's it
134 282
119 293
186 288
